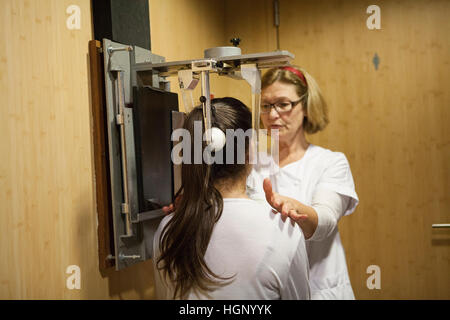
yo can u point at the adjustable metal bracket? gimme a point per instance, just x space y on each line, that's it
131 227
127 67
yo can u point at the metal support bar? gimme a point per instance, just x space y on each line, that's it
111 50
187 82
149 215
206 93
276 21
252 75
120 116
441 225
233 63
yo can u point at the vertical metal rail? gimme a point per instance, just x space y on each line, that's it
256 103
441 225
206 105
276 20
252 75
256 114
121 122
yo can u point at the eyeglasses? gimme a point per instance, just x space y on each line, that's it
280 107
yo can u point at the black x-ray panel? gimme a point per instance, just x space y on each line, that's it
152 112
123 21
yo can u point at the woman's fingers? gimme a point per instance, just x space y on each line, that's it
285 205
168 209
285 209
271 197
282 204
293 214
276 202
267 186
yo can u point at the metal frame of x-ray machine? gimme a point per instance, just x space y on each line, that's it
131 66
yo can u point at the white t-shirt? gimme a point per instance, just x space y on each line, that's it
268 256
318 170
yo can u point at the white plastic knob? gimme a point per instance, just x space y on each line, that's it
218 139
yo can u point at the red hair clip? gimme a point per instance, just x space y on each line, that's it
296 72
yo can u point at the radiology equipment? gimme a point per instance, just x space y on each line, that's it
141 114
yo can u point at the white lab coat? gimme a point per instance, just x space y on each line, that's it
322 169
267 256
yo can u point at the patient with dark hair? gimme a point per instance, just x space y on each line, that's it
220 244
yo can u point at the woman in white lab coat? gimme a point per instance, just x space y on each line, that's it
314 186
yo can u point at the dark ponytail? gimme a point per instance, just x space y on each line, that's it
186 236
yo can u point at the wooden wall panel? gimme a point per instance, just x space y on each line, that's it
252 22
183 29
47 218
100 151
391 123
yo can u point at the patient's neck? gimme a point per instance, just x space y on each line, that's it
232 188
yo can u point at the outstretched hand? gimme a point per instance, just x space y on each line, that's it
284 205
305 216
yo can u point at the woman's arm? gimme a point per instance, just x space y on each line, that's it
318 220
330 207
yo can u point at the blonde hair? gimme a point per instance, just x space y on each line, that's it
313 103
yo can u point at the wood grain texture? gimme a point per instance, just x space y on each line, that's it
182 30
105 227
48 219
